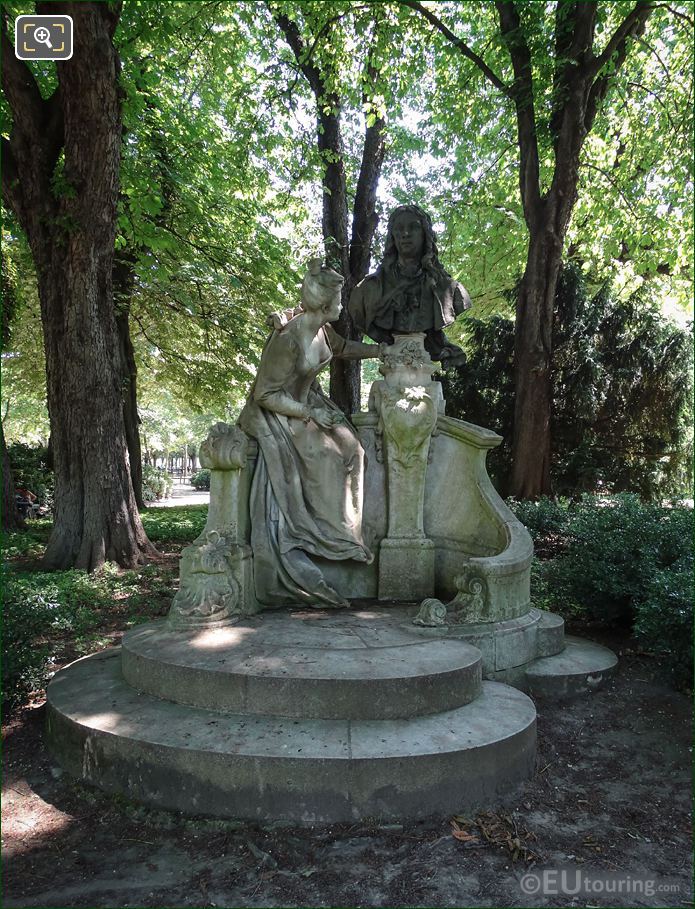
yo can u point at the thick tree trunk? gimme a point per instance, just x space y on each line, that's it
11 519
72 240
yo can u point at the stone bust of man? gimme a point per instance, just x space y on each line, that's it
410 291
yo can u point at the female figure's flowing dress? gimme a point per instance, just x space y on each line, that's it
306 494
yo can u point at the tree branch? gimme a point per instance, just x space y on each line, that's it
459 44
522 93
680 15
365 219
294 39
21 91
631 24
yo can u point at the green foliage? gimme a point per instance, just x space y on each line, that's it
621 400
664 619
201 480
29 542
618 561
31 471
622 376
634 208
482 392
614 550
39 607
51 618
156 483
180 524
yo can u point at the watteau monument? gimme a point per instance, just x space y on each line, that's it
353 635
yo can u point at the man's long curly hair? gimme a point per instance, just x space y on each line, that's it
430 263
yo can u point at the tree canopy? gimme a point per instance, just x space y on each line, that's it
227 172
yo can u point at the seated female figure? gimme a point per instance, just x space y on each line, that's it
306 495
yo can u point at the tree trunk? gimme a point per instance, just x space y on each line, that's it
72 237
530 476
346 375
124 279
347 258
11 519
580 80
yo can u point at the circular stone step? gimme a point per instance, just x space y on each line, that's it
198 761
309 665
581 667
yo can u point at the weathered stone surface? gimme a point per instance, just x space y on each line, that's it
295 665
216 571
503 645
205 762
411 291
406 569
581 667
551 634
211 589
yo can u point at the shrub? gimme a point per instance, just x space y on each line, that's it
31 470
664 619
619 561
41 605
201 480
615 547
622 389
24 660
156 483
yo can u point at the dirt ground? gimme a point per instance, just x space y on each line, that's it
611 793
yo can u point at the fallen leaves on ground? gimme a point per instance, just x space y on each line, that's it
501 830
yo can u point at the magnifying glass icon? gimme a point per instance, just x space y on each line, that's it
43 36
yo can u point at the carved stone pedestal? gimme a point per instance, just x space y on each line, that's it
216 574
406 569
407 402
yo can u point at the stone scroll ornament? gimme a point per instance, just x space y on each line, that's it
469 606
211 569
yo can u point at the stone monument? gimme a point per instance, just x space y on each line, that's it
353 635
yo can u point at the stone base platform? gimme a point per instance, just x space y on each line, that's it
532 653
310 665
320 717
581 667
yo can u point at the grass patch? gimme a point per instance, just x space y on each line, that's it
180 524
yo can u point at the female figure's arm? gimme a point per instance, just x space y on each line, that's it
277 364
351 350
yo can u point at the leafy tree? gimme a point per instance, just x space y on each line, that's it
621 392
60 179
562 69
202 220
